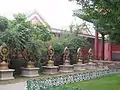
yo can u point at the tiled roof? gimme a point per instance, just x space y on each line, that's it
36 14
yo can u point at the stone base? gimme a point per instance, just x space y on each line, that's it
91 66
79 67
66 68
50 69
100 66
108 64
29 72
6 74
111 66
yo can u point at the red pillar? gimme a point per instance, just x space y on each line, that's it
96 45
102 47
110 52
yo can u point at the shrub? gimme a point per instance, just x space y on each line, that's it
72 41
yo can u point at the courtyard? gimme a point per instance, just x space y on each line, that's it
60 45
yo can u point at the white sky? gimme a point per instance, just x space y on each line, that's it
58 13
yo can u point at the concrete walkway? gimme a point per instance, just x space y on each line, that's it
15 86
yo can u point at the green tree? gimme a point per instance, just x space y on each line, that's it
41 32
18 33
104 14
3 23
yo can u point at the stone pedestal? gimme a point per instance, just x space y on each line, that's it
79 67
91 66
50 69
29 72
106 64
66 68
6 74
100 66
117 64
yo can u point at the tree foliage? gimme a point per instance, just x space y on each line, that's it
20 34
104 14
70 39
41 32
3 23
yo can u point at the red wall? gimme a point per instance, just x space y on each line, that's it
115 47
115 51
99 49
106 50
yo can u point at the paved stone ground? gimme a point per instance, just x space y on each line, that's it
15 86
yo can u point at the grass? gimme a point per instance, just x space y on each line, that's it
110 82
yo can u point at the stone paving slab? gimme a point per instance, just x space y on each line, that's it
15 86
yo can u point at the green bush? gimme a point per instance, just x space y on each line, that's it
72 41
